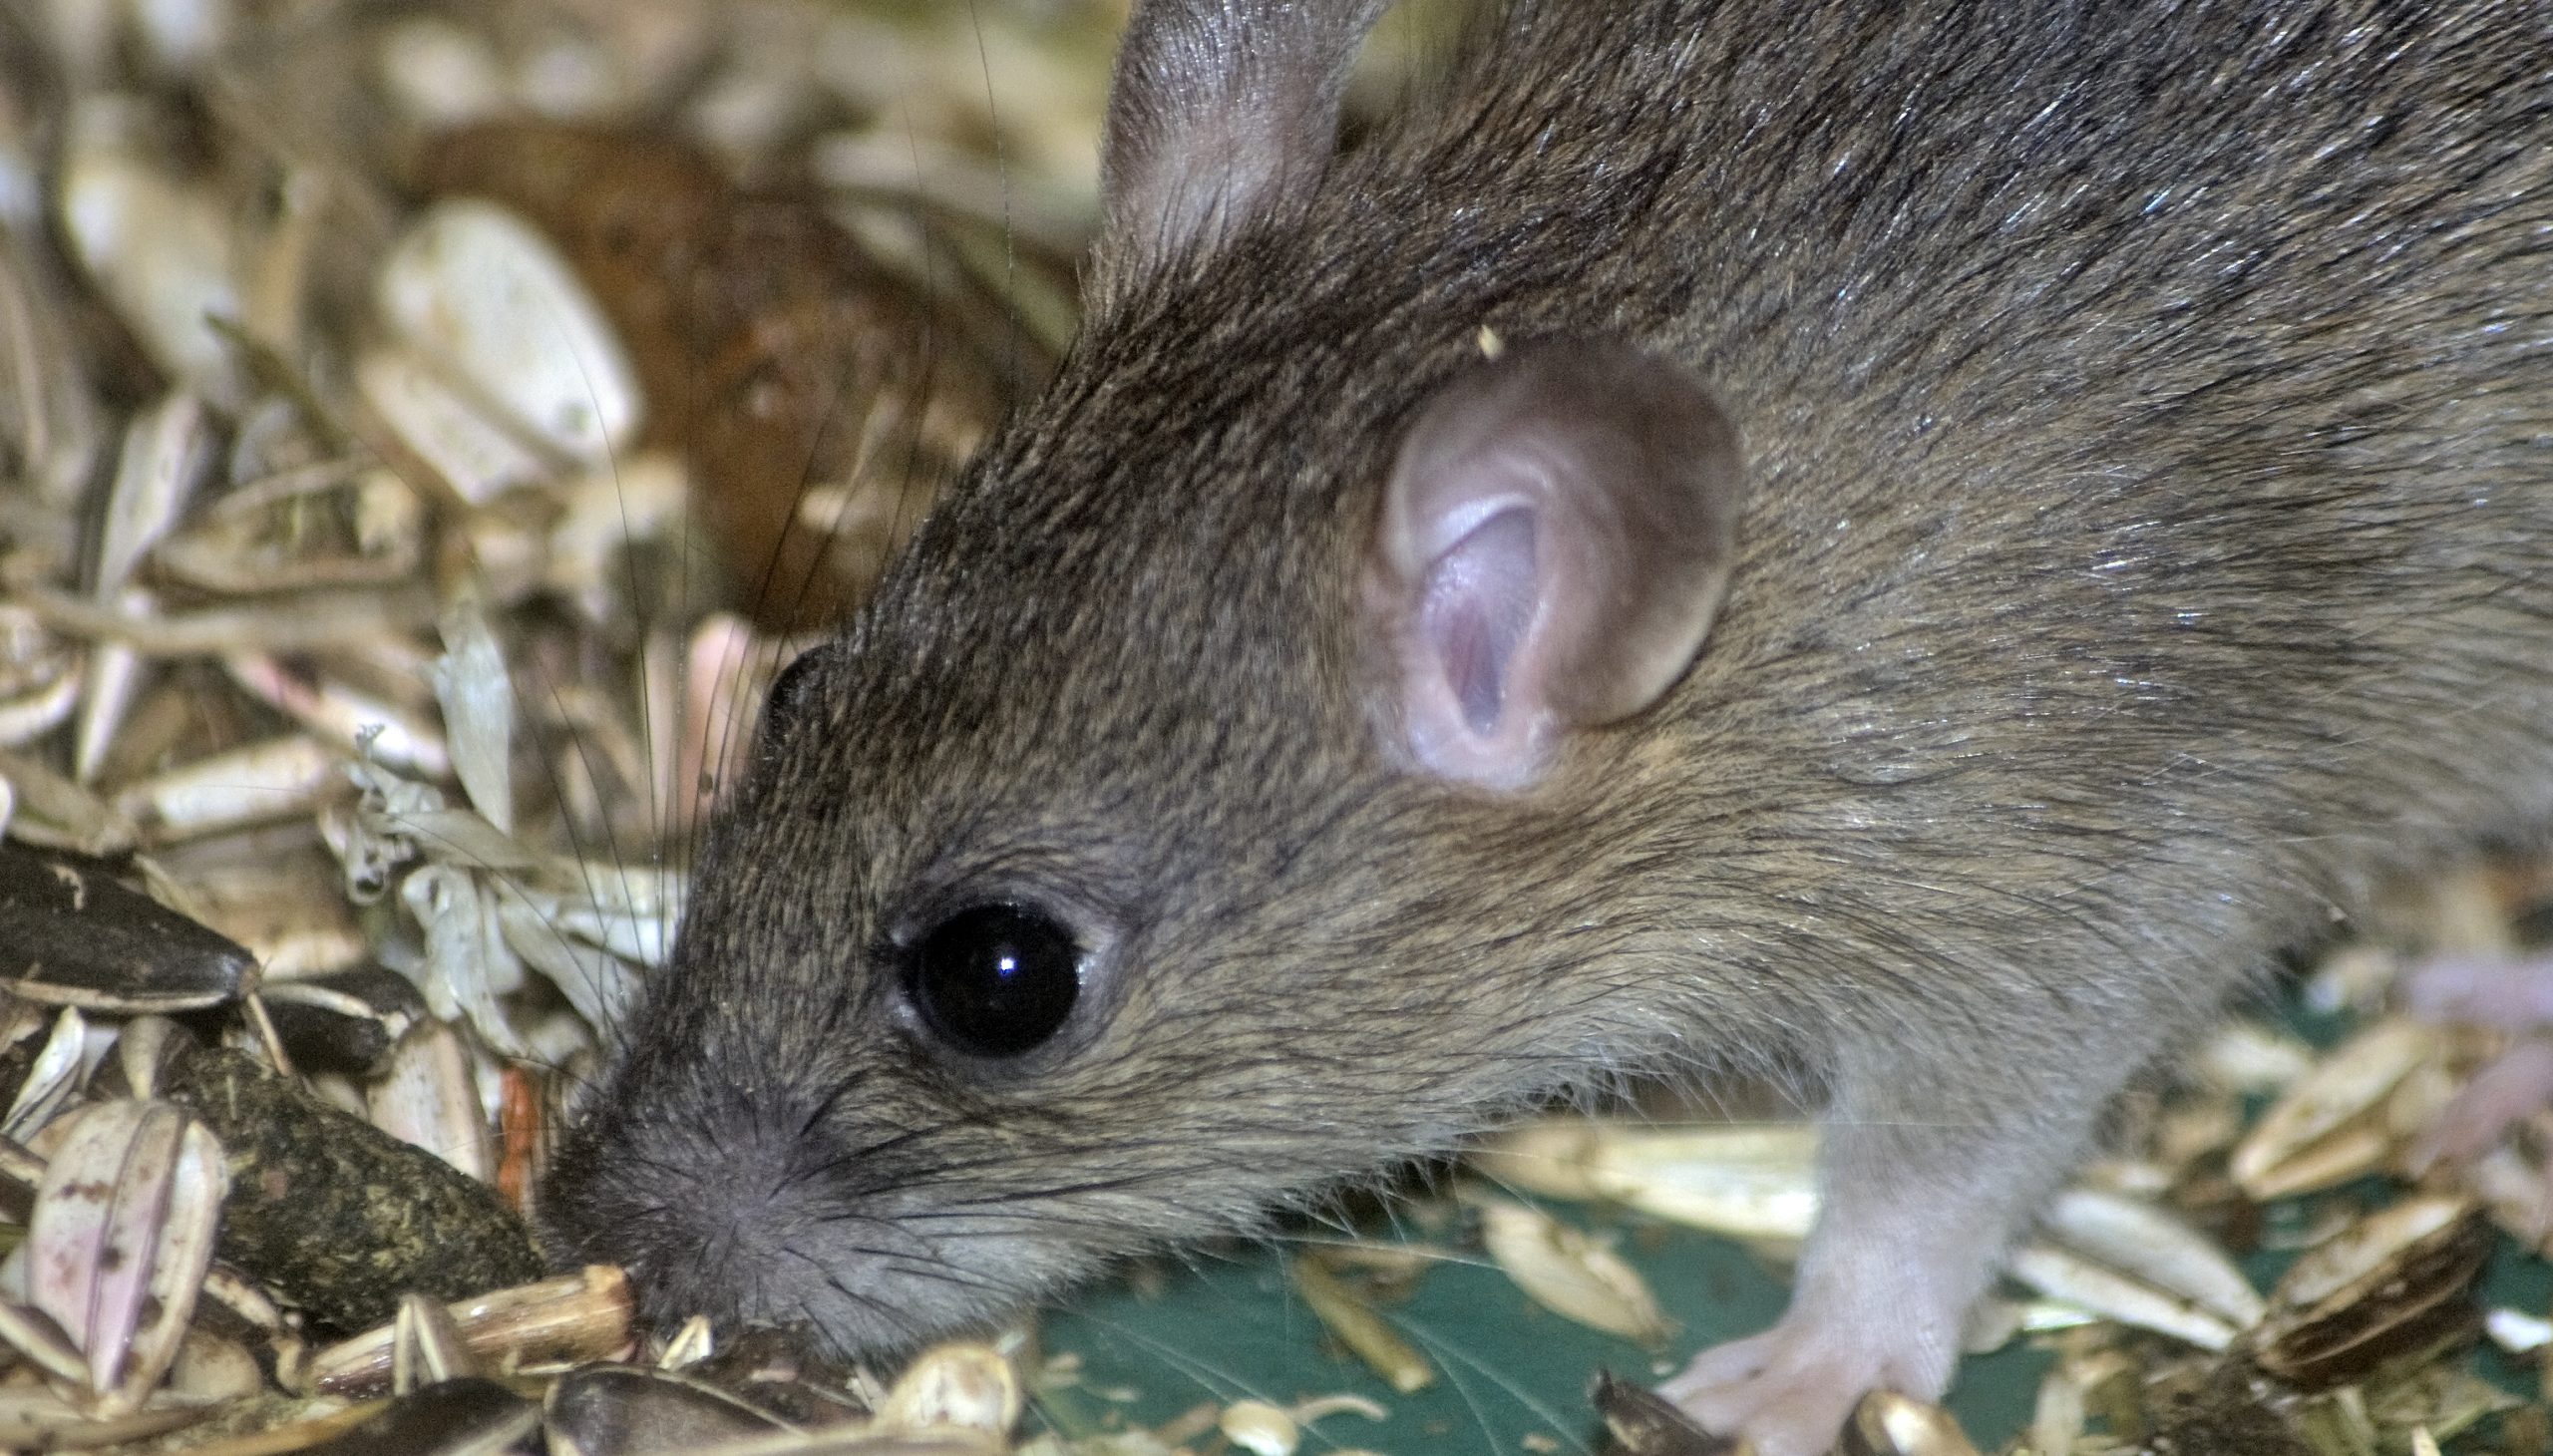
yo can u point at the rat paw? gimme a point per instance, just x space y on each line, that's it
2507 1089
1790 1389
2488 991
2491 992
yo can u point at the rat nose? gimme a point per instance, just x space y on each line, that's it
701 1208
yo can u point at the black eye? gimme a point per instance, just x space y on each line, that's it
996 979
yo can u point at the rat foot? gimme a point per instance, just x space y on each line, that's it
2513 1085
2488 991
1790 1389
1920 1195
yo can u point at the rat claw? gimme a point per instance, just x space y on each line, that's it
1790 1389
2495 992
1782 1405
1715 1370
2519 1081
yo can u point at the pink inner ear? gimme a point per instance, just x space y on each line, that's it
1478 606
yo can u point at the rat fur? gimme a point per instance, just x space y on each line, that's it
2145 416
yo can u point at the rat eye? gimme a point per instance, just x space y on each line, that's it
996 979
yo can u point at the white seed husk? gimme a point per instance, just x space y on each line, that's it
257 783
2148 1243
2326 1106
1260 1428
964 1386
2062 1273
428 1097
451 435
478 700
168 452
2364 1245
158 246
480 294
1568 1273
55 1075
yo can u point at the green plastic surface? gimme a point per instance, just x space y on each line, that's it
1507 1369
1513 1377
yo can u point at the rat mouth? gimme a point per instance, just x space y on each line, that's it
768 1221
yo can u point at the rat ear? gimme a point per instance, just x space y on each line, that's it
1219 112
1554 540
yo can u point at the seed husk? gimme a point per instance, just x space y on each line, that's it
51 812
39 1420
53 1076
1260 1428
76 936
120 1238
2144 1240
279 778
2394 1290
1569 1274
471 1416
428 1097
580 1316
2068 1275
2324 1129
426 1345
964 1386
1646 1423
1355 1325
625 1410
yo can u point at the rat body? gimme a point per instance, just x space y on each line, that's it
1991 520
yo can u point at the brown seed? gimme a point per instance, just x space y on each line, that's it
774 350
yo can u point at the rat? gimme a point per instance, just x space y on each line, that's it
1908 547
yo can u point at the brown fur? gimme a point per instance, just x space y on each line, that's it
2148 410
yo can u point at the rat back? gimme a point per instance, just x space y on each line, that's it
1910 547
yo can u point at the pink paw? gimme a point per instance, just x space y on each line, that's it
2507 993
1790 1389
2517 1083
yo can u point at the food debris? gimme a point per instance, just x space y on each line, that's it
335 1216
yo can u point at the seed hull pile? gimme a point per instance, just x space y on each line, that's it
424 428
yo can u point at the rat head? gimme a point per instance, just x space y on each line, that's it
1188 823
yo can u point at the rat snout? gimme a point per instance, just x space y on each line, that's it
752 1212
703 1207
